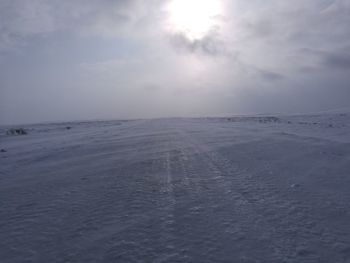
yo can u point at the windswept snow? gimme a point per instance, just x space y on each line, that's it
240 189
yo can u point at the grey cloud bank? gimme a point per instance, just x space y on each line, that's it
65 60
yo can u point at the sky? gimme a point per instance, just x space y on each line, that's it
63 60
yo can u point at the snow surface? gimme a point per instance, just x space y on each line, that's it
240 189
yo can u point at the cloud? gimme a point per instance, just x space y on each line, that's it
210 44
270 76
101 56
337 60
21 20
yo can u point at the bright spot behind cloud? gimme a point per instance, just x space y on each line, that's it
193 18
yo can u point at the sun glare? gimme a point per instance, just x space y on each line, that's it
194 18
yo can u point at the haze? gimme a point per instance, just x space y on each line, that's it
73 60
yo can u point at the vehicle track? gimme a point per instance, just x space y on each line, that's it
160 191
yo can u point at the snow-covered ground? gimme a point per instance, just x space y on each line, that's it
240 189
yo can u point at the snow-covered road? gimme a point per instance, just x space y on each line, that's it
178 190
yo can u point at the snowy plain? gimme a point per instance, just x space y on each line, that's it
238 189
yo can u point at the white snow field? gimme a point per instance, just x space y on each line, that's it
240 189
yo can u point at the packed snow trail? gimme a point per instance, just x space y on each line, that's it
175 190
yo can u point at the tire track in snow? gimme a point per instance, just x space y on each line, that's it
220 203
273 210
167 204
175 198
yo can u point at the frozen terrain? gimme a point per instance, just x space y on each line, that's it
241 189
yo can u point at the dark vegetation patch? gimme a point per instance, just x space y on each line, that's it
266 119
16 131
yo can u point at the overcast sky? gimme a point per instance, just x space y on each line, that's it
98 59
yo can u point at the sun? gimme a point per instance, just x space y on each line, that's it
193 18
